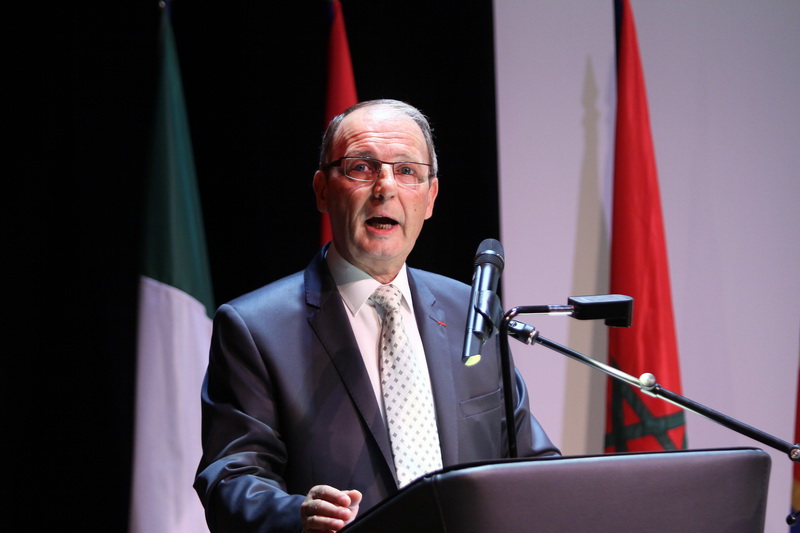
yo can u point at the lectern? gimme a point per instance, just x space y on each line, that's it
704 491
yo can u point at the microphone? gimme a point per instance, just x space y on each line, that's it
484 305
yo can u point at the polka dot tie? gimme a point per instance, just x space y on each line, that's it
407 400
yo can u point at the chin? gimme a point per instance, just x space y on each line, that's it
382 252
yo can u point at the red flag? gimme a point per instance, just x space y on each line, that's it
639 268
341 91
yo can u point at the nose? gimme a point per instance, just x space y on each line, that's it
385 185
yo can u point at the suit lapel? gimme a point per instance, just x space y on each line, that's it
329 321
432 321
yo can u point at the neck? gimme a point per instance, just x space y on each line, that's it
383 272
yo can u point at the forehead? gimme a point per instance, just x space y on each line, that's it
379 131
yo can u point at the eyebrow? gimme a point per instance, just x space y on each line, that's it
371 155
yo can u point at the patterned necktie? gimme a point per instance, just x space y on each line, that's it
407 399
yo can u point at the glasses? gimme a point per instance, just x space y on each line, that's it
367 169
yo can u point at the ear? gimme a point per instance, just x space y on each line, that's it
433 192
320 184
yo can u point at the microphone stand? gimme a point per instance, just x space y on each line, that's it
646 383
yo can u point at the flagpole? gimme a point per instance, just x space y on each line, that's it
646 383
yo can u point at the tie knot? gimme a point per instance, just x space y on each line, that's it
388 297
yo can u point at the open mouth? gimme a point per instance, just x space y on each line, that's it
381 222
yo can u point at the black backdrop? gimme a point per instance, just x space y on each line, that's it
254 82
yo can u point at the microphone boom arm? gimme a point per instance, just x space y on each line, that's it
646 382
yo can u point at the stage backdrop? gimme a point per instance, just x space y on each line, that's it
526 87
722 82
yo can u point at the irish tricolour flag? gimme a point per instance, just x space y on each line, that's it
174 331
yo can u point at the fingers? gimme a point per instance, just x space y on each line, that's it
355 500
355 497
328 509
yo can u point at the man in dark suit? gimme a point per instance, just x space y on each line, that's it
294 408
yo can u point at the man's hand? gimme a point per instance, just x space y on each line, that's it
328 509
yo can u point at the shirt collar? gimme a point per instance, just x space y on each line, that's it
356 286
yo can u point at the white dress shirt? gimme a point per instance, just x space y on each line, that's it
355 287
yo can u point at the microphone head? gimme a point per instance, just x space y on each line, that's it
489 263
490 251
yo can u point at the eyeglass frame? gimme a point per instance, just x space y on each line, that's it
338 164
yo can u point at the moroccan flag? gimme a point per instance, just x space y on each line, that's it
639 268
174 330
341 89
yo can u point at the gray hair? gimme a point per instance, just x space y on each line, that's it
406 109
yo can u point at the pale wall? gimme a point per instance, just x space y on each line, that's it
723 83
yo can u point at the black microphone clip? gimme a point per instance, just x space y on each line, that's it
615 309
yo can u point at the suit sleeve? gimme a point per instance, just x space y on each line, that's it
240 477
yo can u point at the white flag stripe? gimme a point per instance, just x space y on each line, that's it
173 340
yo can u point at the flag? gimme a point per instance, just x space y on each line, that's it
639 268
341 86
796 466
174 329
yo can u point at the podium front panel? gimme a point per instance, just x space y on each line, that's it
685 491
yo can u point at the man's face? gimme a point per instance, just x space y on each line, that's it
375 225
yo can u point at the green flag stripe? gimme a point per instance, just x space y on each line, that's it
174 243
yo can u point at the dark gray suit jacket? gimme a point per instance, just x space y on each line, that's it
287 403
